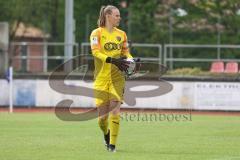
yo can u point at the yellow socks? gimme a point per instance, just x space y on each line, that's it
114 128
103 124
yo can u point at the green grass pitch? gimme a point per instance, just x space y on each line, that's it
38 136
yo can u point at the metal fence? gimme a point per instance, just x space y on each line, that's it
51 54
174 53
25 53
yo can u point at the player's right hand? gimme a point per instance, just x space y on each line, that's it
119 62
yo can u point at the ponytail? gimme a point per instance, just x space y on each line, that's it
102 14
101 20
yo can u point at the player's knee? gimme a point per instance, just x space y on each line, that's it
115 107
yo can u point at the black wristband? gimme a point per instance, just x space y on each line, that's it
108 60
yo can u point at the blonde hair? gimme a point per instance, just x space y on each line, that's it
102 15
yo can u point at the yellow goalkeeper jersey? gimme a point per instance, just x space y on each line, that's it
105 44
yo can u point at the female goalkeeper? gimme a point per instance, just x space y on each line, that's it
109 46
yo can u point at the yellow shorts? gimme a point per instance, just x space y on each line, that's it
107 90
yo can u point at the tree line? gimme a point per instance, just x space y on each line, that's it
206 22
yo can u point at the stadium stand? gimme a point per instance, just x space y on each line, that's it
231 67
217 67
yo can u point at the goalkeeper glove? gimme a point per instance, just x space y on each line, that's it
119 62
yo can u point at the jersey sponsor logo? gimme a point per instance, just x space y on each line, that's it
94 40
112 46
